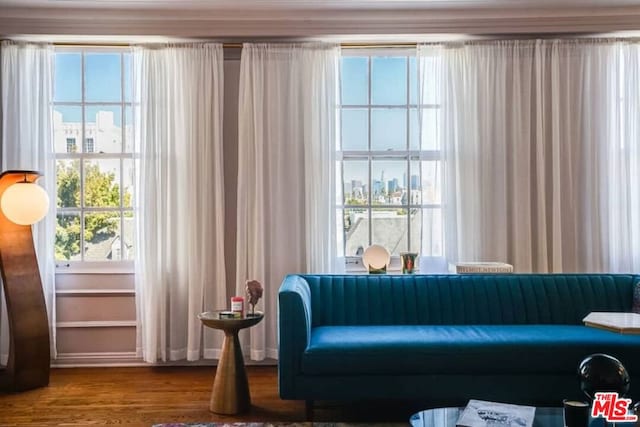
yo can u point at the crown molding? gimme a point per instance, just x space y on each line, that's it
303 23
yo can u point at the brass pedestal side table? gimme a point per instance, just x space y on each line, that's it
230 394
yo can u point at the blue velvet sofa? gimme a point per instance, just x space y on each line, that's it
446 339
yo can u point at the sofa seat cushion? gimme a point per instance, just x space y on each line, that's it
468 349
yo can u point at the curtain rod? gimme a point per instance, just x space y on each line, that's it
239 45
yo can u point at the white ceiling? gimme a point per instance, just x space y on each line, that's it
302 19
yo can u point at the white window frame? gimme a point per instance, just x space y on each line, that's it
93 266
354 263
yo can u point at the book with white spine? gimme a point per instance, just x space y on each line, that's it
480 267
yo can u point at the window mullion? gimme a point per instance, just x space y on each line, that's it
370 177
82 176
123 116
408 145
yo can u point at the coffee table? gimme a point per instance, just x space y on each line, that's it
230 394
447 417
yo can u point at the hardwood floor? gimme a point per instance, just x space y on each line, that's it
144 396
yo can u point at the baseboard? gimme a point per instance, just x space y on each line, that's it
90 360
130 359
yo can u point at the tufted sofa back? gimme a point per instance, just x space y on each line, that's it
466 299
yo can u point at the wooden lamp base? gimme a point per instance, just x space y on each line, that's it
29 356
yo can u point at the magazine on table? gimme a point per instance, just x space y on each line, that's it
480 413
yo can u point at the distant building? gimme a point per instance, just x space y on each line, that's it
107 247
389 230
101 134
377 187
415 182
393 185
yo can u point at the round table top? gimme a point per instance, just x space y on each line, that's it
212 319
447 417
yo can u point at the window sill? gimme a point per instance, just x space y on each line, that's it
424 265
120 267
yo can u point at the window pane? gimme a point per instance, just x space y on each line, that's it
102 237
128 77
416 230
389 229
430 129
355 80
431 231
68 77
355 129
340 231
103 123
356 231
431 182
388 129
414 129
355 182
128 130
68 236
67 129
388 179
128 176
429 138
102 77
429 87
128 233
68 183
415 193
413 81
101 183
389 80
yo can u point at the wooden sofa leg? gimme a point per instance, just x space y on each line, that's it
308 410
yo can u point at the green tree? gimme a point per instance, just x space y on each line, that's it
101 189
354 201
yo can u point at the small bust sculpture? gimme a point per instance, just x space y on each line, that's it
254 293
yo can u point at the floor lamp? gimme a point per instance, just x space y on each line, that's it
22 203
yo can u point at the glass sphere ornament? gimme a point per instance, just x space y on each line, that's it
601 372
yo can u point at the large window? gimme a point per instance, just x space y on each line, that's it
93 103
389 156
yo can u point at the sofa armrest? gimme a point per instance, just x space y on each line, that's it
294 330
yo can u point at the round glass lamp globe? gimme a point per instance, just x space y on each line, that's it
376 256
24 203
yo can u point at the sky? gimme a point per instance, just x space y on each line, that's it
103 75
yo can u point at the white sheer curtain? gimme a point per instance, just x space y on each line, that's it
540 142
180 269
286 171
27 143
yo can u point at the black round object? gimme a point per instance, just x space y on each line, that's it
601 372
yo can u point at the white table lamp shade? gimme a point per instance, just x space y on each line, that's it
375 257
24 203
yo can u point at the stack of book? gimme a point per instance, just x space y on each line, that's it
480 267
624 323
